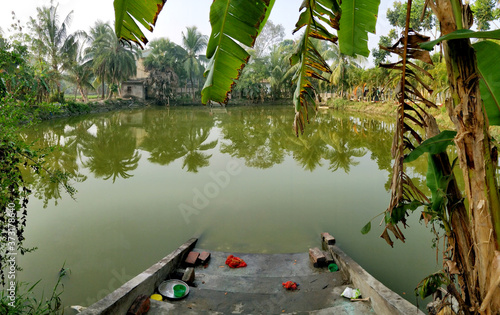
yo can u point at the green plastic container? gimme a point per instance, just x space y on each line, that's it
333 267
179 290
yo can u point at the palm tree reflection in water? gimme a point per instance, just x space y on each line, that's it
109 145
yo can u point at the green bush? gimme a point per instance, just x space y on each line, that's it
75 107
339 103
46 110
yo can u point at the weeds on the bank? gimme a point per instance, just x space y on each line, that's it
24 300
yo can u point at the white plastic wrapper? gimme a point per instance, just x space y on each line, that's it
351 293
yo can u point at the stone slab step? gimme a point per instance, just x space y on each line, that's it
266 285
276 265
285 302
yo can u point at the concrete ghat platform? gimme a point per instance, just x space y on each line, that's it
257 288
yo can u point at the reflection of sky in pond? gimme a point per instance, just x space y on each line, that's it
140 169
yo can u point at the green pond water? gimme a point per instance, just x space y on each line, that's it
238 178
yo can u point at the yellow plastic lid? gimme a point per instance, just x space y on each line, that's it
157 297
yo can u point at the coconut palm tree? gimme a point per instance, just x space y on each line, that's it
166 70
51 43
113 61
194 42
341 66
279 64
79 71
94 37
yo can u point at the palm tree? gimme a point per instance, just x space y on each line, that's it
193 41
51 42
113 61
165 67
279 65
79 71
341 67
94 37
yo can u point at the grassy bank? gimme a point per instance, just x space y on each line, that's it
47 111
387 109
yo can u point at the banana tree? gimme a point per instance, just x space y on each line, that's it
471 225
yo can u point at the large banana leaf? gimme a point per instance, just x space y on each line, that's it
307 58
234 23
434 145
358 18
144 11
461 34
487 53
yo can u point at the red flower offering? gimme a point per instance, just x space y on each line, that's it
290 285
235 262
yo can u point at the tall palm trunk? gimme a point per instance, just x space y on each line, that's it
192 86
102 82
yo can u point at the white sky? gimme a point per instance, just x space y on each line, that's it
173 20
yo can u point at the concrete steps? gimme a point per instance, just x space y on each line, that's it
257 288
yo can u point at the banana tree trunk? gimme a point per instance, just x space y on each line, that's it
475 157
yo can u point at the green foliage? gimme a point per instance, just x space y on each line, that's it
487 53
380 55
18 80
431 284
437 184
193 41
112 61
399 213
307 59
358 18
27 303
484 13
52 43
237 24
47 110
128 12
434 145
75 107
19 105
232 23
346 73
164 55
366 228
397 16
278 64
460 34
339 103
